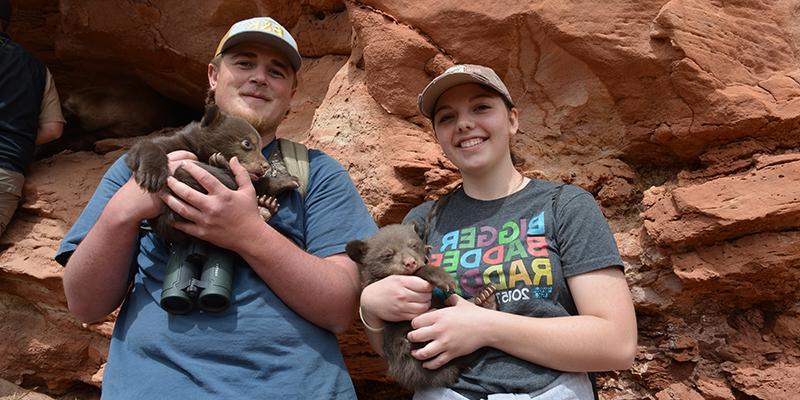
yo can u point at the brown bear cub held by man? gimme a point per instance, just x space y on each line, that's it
215 139
398 250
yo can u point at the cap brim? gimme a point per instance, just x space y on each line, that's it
269 39
432 92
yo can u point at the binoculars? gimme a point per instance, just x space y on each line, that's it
182 289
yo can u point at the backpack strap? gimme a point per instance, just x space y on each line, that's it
554 200
557 248
295 157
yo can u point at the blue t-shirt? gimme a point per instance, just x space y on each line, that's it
258 347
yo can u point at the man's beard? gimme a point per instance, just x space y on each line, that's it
258 121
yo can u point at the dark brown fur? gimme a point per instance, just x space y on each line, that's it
216 139
398 250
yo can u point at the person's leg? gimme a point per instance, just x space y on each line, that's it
438 394
568 386
10 193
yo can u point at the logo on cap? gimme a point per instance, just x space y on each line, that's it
456 69
265 30
266 25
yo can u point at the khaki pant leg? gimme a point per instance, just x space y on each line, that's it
10 193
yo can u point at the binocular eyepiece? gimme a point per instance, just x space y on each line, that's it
182 289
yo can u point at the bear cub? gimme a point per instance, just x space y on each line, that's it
398 250
215 139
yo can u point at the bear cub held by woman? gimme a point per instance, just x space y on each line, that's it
215 139
398 250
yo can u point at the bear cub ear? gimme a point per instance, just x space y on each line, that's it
356 250
212 116
419 229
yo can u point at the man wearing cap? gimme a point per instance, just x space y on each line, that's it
293 285
30 114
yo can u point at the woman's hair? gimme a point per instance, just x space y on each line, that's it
516 160
506 102
210 97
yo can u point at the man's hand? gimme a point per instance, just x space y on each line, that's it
133 202
177 157
223 217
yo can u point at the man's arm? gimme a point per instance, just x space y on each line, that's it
322 290
49 131
51 119
97 273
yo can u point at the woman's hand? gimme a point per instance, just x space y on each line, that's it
451 332
396 298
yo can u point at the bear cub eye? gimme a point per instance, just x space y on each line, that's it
387 254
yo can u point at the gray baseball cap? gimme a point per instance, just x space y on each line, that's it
457 75
264 30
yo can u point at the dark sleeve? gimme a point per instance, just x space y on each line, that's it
114 178
334 211
585 241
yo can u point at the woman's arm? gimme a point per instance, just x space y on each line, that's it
394 298
602 337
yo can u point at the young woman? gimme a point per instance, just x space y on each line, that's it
563 305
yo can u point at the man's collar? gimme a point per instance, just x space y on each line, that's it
268 147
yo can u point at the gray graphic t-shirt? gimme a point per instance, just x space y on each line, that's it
516 244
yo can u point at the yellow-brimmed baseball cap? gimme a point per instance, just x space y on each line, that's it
264 30
457 75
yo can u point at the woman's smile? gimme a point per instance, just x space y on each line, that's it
469 143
